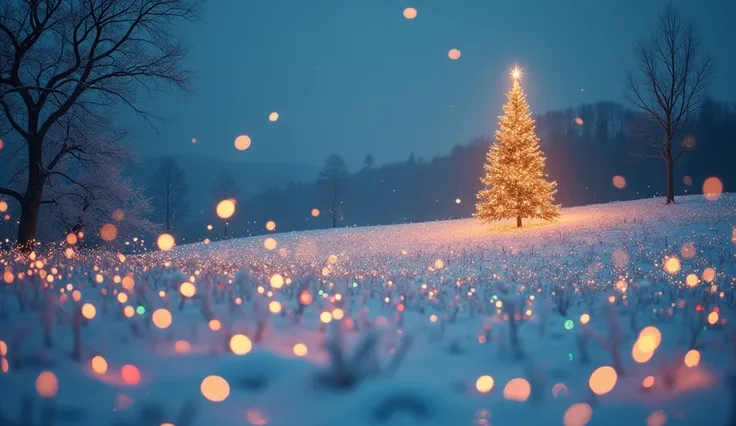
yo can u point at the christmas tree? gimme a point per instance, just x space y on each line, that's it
514 184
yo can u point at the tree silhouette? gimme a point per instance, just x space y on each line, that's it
334 176
670 88
169 189
71 61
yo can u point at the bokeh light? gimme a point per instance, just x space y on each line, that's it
692 358
410 13
454 54
165 242
89 311
578 415
47 384
619 182
240 344
517 389
272 117
187 289
300 349
108 232
484 384
226 208
712 188
161 318
99 365
215 388
242 142
602 380
130 374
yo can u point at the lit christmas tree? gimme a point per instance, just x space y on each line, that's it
515 184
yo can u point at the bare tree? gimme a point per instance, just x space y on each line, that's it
225 189
63 58
670 87
169 188
334 175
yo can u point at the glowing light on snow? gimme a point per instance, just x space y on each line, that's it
161 318
325 317
484 384
226 208
274 307
270 225
277 281
71 239
619 182
130 374
602 380
712 188
270 243
214 325
584 318
300 349
273 116
577 415
454 54
187 289
692 358
439 264
99 365
215 388
182 347
47 384
240 344
410 13
672 265
338 314
652 333
89 311
108 232
620 258
242 142
517 389
165 242
128 282
315 212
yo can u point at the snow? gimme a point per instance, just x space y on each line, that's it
386 362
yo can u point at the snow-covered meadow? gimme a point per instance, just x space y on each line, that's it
440 323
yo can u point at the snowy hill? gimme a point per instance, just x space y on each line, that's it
617 314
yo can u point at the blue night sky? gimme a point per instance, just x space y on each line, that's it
355 77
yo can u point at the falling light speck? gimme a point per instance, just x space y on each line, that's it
410 13
454 54
315 212
165 242
226 208
272 117
619 182
242 142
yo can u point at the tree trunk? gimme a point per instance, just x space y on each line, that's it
31 205
518 221
670 189
334 221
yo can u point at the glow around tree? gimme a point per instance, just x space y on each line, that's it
515 183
